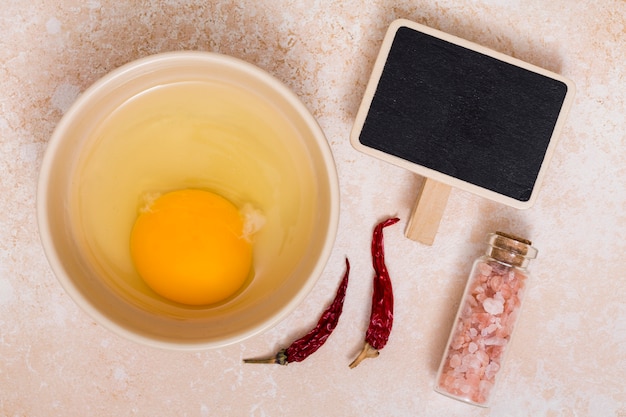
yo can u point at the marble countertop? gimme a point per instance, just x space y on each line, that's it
568 357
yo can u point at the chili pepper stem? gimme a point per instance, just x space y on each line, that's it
264 360
367 352
280 359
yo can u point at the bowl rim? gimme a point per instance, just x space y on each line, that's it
55 143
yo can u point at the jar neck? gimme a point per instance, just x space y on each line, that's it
510 249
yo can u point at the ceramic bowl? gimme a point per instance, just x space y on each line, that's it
231 128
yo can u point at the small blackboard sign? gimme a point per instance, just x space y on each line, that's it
461 114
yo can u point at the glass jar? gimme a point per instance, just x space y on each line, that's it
485 320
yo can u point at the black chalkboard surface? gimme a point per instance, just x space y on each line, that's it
461 114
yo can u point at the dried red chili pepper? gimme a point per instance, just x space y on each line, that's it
381 315
302 348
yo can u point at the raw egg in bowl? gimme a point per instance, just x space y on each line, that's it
188 200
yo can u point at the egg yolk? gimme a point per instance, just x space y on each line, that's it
189 247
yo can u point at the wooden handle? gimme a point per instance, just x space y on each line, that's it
427 211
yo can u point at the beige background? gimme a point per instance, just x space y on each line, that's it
569 354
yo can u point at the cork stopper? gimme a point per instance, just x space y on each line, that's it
511 249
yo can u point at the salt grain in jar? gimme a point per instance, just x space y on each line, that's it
484 323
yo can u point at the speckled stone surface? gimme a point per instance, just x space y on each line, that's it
568 357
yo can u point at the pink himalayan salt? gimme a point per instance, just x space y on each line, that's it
495 282
493 306
482 332
484 269
455 360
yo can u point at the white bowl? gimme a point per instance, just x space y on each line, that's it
84 213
